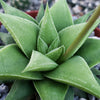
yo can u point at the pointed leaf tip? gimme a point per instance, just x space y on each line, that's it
61 15
40 62
48 32
13 62
40 13
23 31
16 12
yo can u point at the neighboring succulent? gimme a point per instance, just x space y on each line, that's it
53 54
20 4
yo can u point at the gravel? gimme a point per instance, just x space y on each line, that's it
3 91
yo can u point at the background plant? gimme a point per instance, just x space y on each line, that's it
52 52
20 4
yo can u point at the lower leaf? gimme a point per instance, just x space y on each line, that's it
50 90
76 72
90 51
70 94
21 90
13 62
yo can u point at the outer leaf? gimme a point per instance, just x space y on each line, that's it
13 11
68 35
40 62
56 53
79 40
50 90
21 90
90 51
61 15
6 38
75 72
40 13
70 94
48 31
12 63
23 31
83 18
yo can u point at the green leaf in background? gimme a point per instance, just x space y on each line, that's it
21 90
42 46
40 62
13 11
23 31
69 34
98 80
84 18
56 53
1 47
12 63
40 13
75 72
6 38
48 31
80 93
61 15
90 51
95 71
70 94
50 90
81 38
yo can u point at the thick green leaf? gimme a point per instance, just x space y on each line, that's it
54 44
20 90
69 34
83 18
80 38
61 14
40 13
12 63
6 38
48 31
23 31
56 53
13 11
70 94
76 72
40 62
42 46
90 51
50 90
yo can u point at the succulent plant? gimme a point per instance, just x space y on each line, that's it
20 4
51 54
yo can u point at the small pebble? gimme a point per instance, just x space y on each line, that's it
82 99
3 91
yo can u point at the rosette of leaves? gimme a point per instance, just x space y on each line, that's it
50 53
